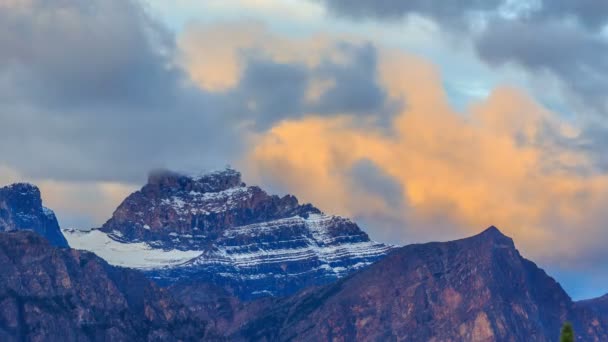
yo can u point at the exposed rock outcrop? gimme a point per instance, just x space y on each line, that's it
21 209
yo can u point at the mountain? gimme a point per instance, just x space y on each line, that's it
475 289
214 228
598 305
21 209
61 294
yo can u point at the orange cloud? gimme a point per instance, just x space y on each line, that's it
459 172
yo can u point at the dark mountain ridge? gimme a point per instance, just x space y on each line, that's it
474 289
21 209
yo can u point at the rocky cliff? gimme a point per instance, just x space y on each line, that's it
21 209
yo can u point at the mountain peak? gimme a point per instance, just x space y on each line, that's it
214 181
21 190
21 209
492 231
242 237
495 236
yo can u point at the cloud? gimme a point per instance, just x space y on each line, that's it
576 57
559 44
89 86
592 14
74 53
562 38
367 179
455 14
101 91
455 173
268 78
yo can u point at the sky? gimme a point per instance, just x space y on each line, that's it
423 120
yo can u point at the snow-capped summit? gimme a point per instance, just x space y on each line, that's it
239 236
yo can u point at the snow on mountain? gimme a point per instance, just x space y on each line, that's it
215 228
138 255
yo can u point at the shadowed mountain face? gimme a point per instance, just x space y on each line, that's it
21 209
475 289
238 237
60 294
598 305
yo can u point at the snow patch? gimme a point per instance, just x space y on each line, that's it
48 212
132 255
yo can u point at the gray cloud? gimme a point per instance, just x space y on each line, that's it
369 179
570 53
561 37
271 91
71 53
90 91
591 13
452 13
356 88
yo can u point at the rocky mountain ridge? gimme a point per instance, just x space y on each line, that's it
474 289
21 209
237 236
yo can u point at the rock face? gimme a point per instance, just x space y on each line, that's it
218 307
52 294
598 305
21 209
244 240
475 289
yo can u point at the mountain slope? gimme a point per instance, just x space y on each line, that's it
475 289
52 294
216 229
598 305
21 209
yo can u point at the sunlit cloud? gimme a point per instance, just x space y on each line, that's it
458 171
